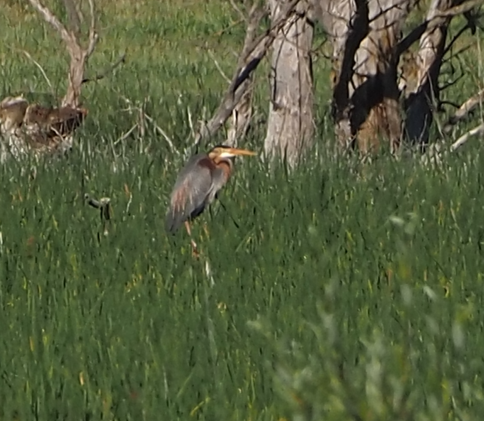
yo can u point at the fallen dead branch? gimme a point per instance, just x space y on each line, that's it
476 131
464 111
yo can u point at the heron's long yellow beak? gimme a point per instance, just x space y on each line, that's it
229 152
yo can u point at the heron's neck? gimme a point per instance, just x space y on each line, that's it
226 165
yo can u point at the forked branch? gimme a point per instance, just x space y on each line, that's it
434 21
78 55
253 51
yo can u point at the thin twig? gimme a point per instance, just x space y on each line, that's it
125 135
217 65
27 54
110 69
447 85
190 121
239 12
455 38
162 132
452 104
222 31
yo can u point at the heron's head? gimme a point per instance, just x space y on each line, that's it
226 152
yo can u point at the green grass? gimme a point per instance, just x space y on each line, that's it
338 289
316 263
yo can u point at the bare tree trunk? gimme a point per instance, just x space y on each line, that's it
254 50
364 35
70 35
420 100
290 124
79 58
49 130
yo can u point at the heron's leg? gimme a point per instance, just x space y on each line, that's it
194 245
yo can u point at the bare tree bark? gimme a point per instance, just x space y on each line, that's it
419 103
290 124
367 45
78 55
254 50
424 97
25 127
364 35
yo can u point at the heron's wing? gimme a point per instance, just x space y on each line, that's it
192 188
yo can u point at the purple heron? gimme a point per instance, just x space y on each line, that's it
197 186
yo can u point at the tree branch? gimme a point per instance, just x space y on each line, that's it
78 55
73 16
429 24
356 33
420 101
464 138
93 36
465 109
455 38
460 9
253 52
49 17
110 69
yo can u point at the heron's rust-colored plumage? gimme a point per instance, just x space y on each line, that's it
198 183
